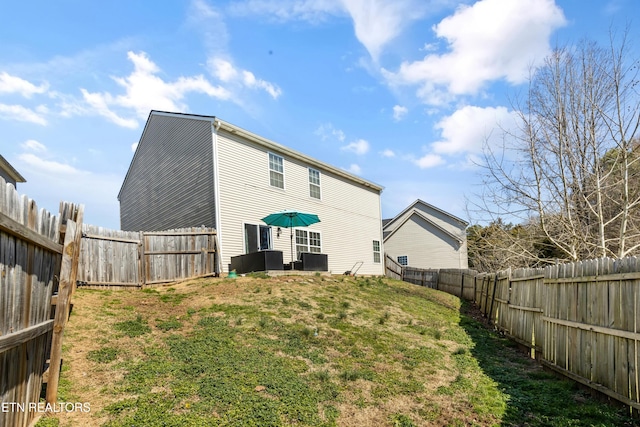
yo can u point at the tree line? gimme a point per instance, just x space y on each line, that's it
565 184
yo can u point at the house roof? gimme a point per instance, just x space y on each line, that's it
10 170
417 213
412 206
271 145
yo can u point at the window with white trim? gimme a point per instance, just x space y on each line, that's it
376 251
314 183
403 260
276 171
308 241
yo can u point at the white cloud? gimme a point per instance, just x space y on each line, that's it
313 11
98 192
49 166
99 103
134 147
429 161
251 81
226 72
388 153
145 91
326 131
359 147
490 40
399 112
13 84
22 114
209 22
354 169
467 129
223 70
33 145
377 22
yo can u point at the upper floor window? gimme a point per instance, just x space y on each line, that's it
314 183
276 171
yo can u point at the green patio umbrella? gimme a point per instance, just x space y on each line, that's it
291 219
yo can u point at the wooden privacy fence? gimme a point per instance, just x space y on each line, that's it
457 282
392 268
127 259
36 249
422 277
580 319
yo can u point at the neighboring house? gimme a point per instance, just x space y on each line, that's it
424 236
191 170
9 173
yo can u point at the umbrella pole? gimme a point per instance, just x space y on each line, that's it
292 248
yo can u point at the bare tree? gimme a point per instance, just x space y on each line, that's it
573 164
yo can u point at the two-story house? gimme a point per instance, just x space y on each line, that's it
424 236
192 170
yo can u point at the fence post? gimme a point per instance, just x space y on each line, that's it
462 284
493 297
141 268
68 272
486 298
145 265
475 288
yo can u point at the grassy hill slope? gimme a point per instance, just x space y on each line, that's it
307 351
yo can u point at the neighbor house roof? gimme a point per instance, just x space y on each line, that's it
10 170
388 223
271 145
417 213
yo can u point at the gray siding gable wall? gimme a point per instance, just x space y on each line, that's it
170 180
428 236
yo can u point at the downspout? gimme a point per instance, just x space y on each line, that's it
383 254
216 188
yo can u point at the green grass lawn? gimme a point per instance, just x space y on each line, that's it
304 351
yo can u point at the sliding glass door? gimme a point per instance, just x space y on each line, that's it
257 238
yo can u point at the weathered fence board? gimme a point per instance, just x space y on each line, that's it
392 268
131 260
580 319
30 256
421 277
68 271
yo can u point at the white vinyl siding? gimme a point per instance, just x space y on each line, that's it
426 245
314 183
276 171
349 212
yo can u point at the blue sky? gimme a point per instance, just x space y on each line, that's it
400 92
